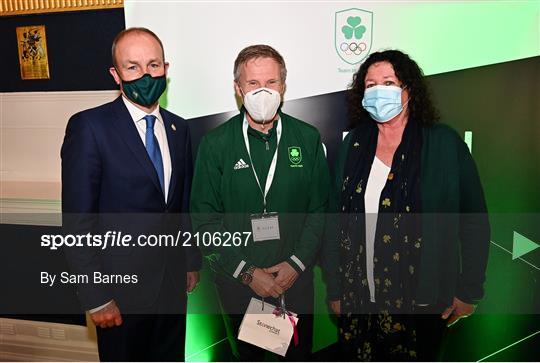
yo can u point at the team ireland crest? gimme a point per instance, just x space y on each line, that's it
353 34
295 154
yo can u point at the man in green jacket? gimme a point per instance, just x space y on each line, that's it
262 172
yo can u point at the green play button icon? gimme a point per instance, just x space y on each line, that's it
522 246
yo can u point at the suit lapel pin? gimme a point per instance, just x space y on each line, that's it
173 127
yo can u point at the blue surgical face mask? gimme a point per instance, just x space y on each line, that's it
383 102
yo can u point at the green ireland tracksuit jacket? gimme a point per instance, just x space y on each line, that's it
225 193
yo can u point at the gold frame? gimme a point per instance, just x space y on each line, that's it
25 7
33 56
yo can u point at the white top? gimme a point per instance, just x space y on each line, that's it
159 130
376 182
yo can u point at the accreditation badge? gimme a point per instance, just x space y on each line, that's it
265 226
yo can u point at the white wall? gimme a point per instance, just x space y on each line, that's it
203 38
32 126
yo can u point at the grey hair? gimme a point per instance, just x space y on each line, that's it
259 51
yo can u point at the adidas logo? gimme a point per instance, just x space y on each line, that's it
240 164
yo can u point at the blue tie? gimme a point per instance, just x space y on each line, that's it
152 147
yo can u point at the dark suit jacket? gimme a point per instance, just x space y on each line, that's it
109 183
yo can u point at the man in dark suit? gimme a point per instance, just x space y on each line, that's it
124 164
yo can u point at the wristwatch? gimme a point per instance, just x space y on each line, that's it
247 276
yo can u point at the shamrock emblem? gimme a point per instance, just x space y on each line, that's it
353 27
295 154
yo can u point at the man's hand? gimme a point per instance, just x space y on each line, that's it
264 284
192 280
335 306
107 317
286 274
458 310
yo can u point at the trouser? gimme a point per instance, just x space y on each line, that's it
235 298
431 330
154 336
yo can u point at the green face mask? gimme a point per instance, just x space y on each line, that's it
145 91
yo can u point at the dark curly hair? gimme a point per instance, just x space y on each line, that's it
420 106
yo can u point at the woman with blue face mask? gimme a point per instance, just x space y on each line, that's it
406 249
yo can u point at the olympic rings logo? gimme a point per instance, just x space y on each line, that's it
353 48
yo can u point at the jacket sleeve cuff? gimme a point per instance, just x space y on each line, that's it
333 287
465 294
243 265
468 300
94 310
193 259
297 264
333 295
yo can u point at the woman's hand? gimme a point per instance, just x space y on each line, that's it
335 306
458 310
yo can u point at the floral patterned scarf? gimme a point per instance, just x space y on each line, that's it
398 232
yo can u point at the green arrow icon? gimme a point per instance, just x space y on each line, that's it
522 245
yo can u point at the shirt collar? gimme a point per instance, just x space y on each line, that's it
137 114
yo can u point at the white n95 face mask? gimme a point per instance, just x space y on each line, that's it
262 104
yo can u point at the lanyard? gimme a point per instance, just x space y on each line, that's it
272 170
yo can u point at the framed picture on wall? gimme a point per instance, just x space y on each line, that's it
33 58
